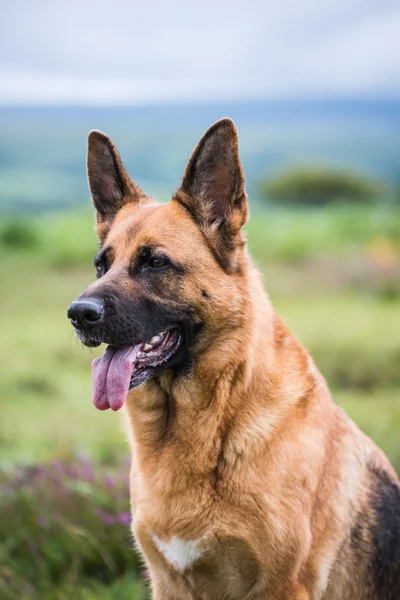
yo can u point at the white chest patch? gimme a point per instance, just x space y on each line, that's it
180 553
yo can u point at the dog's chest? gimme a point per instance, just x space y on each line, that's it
181 553
211 566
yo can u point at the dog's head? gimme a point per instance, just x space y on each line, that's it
169 277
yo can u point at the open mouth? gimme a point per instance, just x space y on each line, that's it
121 369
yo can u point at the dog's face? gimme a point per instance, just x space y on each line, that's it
168 276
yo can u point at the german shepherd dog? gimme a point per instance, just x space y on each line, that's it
248 482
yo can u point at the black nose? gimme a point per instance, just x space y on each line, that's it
85 314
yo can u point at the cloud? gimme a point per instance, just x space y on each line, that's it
92 52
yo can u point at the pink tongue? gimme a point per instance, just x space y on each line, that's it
111 375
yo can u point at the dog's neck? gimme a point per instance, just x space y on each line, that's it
237 394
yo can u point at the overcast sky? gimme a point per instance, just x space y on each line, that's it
91 51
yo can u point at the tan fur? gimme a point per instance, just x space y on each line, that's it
245 458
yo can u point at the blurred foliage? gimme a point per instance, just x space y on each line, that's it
65 530
66 239
342 230
319 186
18 234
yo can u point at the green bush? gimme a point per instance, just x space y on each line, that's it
62 239
319 186
18 235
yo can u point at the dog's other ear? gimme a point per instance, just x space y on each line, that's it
212 187
110 184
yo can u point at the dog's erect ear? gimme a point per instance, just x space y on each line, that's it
212 188
109 183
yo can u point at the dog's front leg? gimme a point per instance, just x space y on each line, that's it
163 591
166 584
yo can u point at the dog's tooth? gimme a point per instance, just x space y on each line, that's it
155 339
147 347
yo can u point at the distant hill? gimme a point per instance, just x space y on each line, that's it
42 149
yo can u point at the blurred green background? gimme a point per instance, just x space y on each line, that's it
314 89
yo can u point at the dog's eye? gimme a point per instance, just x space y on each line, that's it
157 262
100 270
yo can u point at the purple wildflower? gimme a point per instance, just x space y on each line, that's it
108 481
124 518
108 519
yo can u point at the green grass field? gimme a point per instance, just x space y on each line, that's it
334 275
